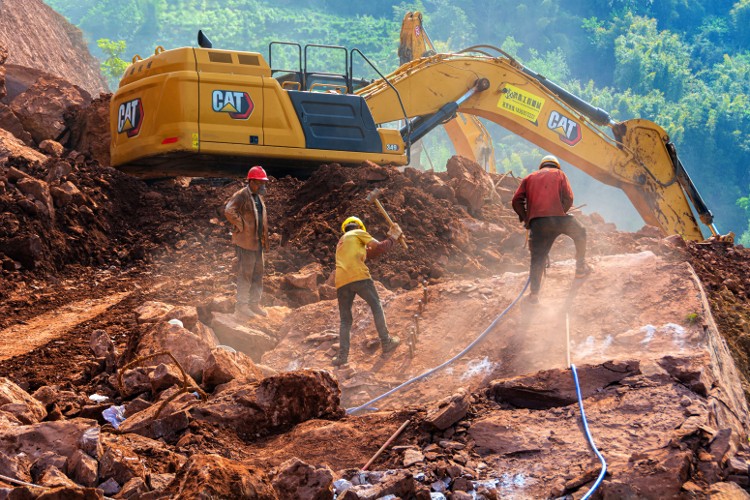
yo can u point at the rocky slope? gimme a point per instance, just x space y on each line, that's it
40 41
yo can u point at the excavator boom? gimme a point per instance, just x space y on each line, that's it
635 155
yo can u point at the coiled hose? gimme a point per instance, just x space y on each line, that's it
366 406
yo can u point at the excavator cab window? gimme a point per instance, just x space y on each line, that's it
287 54
326 56
305 75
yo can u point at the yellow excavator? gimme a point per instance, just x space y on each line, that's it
208 112
469 137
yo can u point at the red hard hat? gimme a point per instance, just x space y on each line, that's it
257 173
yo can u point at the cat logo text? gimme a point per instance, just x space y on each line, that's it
568 130
130 117
237 104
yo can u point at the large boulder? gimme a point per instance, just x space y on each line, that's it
162 421
223 366
552 388
213 476
234 332
472 185
10 123
42 107
306 278
448 411
180 342
90 130
33 442
27 249
66 193
296 479
10 145
154 312
276 403
19 403
38 192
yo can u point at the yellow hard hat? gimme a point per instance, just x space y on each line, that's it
352 220
549 160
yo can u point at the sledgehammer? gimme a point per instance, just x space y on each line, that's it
373 197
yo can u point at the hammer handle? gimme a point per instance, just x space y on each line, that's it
401 239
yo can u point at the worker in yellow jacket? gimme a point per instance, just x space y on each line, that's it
353 278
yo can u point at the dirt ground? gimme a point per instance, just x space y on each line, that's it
170 244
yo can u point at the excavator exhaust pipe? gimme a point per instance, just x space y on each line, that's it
204 41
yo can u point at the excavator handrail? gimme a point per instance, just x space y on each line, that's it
298 72
407 145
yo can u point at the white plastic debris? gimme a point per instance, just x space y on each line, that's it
226 347
98 398
176 322
341 485
115 415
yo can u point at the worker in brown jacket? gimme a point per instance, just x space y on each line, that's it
246 211
542 202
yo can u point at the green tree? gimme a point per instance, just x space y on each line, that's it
113 66
651 59
744 203
740 15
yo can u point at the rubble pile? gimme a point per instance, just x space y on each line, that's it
455 222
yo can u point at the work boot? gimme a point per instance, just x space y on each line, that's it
243 311
258 310
391 344
340 360
583 271
532 298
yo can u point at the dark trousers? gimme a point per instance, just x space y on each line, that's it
544 231
345 294
249 276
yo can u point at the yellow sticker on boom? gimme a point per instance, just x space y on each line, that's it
520 103
195 141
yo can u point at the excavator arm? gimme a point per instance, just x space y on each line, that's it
635 155
469 137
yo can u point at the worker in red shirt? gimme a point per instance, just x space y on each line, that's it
542 202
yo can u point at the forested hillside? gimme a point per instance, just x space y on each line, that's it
683 64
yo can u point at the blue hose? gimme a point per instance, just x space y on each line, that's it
494 323
588 436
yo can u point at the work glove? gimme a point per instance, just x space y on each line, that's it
395 232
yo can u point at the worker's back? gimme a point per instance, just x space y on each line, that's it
547 193
351 252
